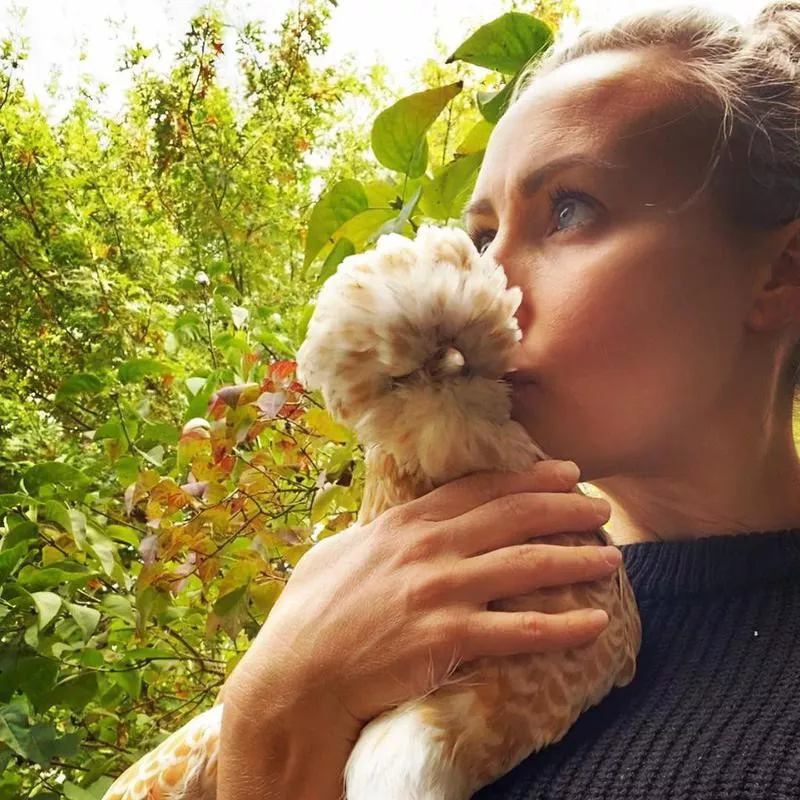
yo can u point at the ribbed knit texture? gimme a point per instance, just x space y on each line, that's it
714 710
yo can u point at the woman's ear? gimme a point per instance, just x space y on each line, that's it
777 298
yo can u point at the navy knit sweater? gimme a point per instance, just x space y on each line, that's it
714 710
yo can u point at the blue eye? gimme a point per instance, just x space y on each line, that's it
564 200
564 203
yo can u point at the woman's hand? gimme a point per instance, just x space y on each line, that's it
378 613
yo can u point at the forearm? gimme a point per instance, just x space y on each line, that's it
279 756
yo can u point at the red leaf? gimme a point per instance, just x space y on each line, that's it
283 369
217 407
226 463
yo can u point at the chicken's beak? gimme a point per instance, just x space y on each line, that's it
445 362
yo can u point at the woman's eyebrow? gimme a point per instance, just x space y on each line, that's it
530 184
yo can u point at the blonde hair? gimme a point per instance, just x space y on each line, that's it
748 75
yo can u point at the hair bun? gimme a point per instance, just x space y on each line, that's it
778 10
780 21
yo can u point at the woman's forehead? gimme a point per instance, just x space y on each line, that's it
618 107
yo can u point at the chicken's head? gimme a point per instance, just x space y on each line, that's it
409 342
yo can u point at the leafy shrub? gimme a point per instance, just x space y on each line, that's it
164 469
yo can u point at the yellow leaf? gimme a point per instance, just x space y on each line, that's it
50 555
295 553
321 421
265 594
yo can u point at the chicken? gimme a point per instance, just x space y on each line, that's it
409 344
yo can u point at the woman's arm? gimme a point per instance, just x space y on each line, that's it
291 754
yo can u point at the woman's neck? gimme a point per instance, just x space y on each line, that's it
738 483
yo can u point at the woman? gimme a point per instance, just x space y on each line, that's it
643 190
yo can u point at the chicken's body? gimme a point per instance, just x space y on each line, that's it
409 344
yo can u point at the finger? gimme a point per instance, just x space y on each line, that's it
516 518
513 571
459 496
504 633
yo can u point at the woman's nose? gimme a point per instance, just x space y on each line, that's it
523 313
515 276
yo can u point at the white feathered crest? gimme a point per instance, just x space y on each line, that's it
389 359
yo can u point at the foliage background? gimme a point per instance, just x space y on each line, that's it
161 470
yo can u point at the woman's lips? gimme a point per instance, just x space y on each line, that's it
519 378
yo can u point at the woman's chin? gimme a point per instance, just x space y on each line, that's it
524 407
528 409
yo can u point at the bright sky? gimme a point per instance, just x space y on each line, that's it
400 34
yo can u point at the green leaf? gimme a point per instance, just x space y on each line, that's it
17 499
126 469
447 193
305 317
361 228
52 472
161 433
73 792
78 529
144 653
10 559
113 430
344 201
155 455
398 134
36 743
195 384
76 692
228 602
382 194
120 607
36 676
505 44
35 579
476 139
58 512
87 618
121 533
399 223
103 549
138 368
47 606
24 532
198 405
493 105
341 250
324 500
80 383
15 732
130 680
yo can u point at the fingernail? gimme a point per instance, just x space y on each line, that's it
569 471
612 555
597 615
602 507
